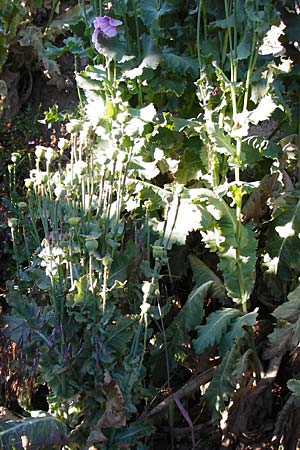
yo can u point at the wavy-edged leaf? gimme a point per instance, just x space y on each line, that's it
150 14
244 47
264 110
286 334
16 328
174 84
255 207
179 63
294 386
190 166
182 216
215 328
37 432
119 335
257 147
202 274
63 21
150 59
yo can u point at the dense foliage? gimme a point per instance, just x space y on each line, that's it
157 243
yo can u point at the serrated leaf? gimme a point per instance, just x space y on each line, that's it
281 258
289 310
236 250
223 382
279 341
119 335
215 328
252 153
190 165
260 16
192 313
286 335
202 273
222 142
133 432
237 330
239 272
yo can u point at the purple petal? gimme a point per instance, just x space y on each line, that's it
109 31
105 25
97 22
103 21
95 36
98 47
114 22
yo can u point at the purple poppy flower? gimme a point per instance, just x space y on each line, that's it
106 26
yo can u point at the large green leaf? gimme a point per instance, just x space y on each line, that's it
260 16
150 14
238 265
282 239
37 432
215 328
234 242
179 63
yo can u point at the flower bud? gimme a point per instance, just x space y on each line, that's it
91 245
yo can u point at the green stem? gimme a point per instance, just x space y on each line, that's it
198 36
224 48
77 87
54 6
251 65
